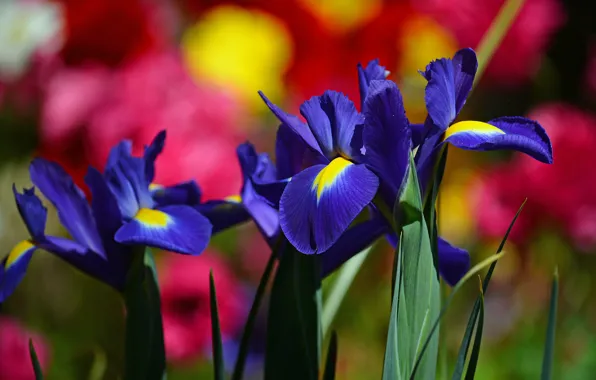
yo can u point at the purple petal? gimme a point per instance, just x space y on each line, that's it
321 202
300 128
453 262
440 92
32 211
373 71
516 133
185 193
386 136
180 229
224 214
73 209
14 267
151 152
465 65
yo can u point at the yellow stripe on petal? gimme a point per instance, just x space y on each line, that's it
18 251
475 127
152 218
234 199
326 177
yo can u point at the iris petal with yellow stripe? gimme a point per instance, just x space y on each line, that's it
515 133
14 267
174 228
320 203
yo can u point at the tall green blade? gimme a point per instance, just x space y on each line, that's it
218 360
465 344
549 347
35 362
416 293
391 364
331 362
144 347
252 318
293 325
477 341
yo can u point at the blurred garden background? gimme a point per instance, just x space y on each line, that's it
78 76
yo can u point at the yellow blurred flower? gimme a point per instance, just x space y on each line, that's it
422 40
240 49
344 14
455 217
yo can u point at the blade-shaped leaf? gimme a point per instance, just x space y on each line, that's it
144 347
391 364
35 362
549 347
474 270
416 293
331 362
252 318
218 360
477 340
293 324
465 344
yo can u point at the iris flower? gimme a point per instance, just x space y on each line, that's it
449 84
122 215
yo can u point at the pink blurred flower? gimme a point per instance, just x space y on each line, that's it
87 110
15 362
521 50
184 286
561 195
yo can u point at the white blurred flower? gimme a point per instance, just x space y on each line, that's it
25 28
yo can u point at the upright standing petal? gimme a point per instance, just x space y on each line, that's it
151 152
295 124
180 229
290 152
70 202
440 92
32 211
319 203
332 118
465 65
373 71
513 132
386 137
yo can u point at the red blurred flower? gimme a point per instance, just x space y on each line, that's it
89 110
15 362
184 286
562 194
106 31
518 57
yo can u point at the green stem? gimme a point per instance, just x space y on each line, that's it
495 34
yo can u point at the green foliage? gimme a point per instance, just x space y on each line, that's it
144 346
331 362
35 362
218 359
549 347
293 324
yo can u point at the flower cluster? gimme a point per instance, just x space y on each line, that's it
336 174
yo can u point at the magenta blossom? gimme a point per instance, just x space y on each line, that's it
184 286
15 362
88 110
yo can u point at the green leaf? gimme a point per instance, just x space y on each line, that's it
391 364
331 362
35 362
465 344
344 280
144 346
416 293
477 340
474 270
218 360
293 324
549 347
252 317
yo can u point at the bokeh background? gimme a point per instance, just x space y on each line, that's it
78 76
